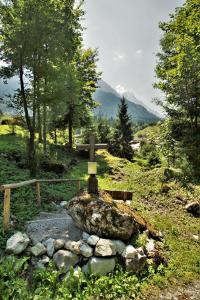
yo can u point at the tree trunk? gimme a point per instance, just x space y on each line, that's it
44 128
31 143
70 131
32 155
39 124
55 136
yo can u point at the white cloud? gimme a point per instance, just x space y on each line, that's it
139 52
120 89
119 56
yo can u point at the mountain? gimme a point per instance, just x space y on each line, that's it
107 97
5 90
131 97
109 100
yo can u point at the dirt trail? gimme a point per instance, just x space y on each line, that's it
188 292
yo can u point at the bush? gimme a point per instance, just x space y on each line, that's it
153 159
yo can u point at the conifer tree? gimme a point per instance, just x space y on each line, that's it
123 134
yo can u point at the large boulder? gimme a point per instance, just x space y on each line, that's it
102 216
17 243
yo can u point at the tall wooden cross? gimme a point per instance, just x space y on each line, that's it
92 181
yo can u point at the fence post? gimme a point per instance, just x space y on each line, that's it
78 185
38 193
6 210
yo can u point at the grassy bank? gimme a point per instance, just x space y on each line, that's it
161 201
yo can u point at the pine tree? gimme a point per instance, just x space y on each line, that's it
120 144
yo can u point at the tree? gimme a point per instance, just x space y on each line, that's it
103 130
36 38
79 81
123 134
178 71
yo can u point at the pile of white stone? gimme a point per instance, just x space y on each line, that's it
92 254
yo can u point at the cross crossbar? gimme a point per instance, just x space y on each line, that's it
80 147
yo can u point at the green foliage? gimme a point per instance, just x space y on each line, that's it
42 44
45 284
12 283
104 130
178 71
120 143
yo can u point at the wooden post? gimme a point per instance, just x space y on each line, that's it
78 185
92 147
6 210
38 194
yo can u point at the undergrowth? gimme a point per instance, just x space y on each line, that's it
159 199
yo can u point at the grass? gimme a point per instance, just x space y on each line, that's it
165 210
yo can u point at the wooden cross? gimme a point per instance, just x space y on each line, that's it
91 147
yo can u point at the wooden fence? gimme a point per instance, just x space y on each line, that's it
6 188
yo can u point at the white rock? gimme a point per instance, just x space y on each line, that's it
105 247
129 252
140 250
120 246
86 250
38 250
195 237
63 204
45 260
92 240
85 236
73 246
17 243
50 246
99 266
150 246
135 264
59 243
65 259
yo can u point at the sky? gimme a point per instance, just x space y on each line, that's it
127 36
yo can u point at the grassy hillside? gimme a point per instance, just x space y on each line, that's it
162 207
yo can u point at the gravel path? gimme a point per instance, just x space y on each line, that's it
54 225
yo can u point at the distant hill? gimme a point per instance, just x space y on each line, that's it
109 100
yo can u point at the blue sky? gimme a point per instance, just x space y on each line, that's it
127 36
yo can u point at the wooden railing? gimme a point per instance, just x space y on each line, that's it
6 188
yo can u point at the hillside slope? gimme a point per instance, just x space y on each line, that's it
166 210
